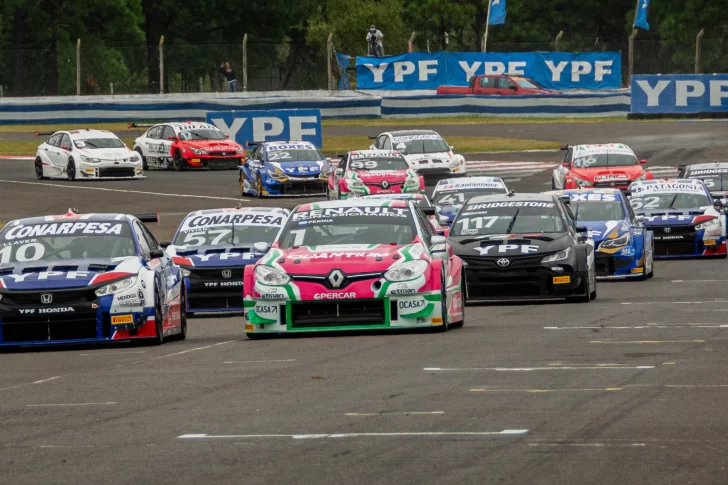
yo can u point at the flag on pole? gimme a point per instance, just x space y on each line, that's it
640 18
497 12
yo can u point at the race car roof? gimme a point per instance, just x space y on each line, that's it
84 134
71 216
721 166
192 125
413 132
355 202
602 148
375 153
396 196
584 191
272 210
511 198
298 144
464 181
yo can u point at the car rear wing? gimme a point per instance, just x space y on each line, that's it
564 147
44 133
372 137
141 125
149 217
252 144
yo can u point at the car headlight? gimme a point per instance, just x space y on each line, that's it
617 242
560 256
406 271
355 184
707 224
277 174
581 182
199 151
271 276
89 159
239 150
117 286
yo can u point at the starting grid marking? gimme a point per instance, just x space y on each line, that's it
318 436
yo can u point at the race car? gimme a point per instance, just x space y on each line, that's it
687 222
613 165
624 248
523 247
82 278
282 168
367 172
213 246
86 154
450 194
354 265
425 150
185 145
714 175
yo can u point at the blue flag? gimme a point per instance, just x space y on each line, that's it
497 12
641 17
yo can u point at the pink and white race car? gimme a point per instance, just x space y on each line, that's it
367 172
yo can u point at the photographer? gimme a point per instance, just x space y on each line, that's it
374 42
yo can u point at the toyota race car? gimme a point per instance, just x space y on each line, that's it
519 247
283 168
354 265
192 144
714 175
613 165
86 154
367 172
624 248
682 214
76 278
450 194
425 150
213 246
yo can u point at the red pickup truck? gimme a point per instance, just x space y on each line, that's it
497 84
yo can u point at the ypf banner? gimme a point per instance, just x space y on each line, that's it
553 70
273 125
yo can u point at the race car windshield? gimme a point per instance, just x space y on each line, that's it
373 163
593 211
376 228
58 241
527 83
201 134
299 155
605 160
432 145
507 220
451 197
231 235
714 181
669 200
95 143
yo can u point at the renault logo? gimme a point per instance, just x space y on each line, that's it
667 230
227 274
503 262
385 184
46 299
336 278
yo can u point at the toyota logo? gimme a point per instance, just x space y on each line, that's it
227 274
503 262
667 230
46 299
385 185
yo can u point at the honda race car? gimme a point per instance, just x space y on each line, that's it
86 154
191 144
714 175
624 248
519 247
425 150
283 168
682 214
613 165
213 246
450 194
367 172
354 265
79 278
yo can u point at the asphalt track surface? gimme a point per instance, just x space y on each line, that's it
629 388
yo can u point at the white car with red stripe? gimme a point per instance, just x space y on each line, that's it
86 154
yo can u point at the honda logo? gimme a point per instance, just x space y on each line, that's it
667 230
227 274
503 262
336 278
47 298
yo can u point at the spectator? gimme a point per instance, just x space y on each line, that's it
374 42
229 74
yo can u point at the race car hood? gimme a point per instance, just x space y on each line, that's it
600 230
213 256
109 153
672 217
608 174
68 273
509 244
377 176
416 157
301 169
212 145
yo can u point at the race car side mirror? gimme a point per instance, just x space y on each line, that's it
165 244
639 218
261 247
172 138
446 231
643 161
565 164
452 148
65 147
339 172
156 253
582 229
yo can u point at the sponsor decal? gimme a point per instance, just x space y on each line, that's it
397 139
411 304
351 211
667 238
560 280
403 291
298 146
710 242
707 171
505 248
637 270
222 284
682 187
49 275
131 299
611 176
262 308
492 205
249 327
596 197
222 219
122 319
436 320
64 229
334 296
46 311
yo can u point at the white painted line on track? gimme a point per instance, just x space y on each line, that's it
546 390
640 327
110 403
592 445
194 349
532 369
257 361
30 383
104 354
697 386
673 302
637 342
698 281
312 436
402 413
63 186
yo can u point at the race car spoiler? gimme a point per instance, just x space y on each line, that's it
565 146
372 137
150 217
44 133
141 125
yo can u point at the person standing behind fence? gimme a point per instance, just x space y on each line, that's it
374 42
229 74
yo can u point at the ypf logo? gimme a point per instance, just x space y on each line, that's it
503 262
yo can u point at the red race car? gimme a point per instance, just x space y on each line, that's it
612 165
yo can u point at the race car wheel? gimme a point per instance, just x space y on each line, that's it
71 170
178 163
241 179
462 304
258 187
443 290
39 169
183 314
158 320
145 165
585 277
593 294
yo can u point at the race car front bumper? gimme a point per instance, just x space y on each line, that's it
294 187
215 163
218 289
110 171
685 242
618 263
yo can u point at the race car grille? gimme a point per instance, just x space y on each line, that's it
216 301
675 248
521 262
116 172
352 313
303 187
68 297
606 265
42 328
620 183
483 285
216 274
674 230
221 163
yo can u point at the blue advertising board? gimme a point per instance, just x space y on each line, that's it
273 125
680 94
553 70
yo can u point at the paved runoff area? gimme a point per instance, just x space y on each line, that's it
627 389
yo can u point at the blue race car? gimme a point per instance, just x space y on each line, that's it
687 222
212 247
284 168
624 248
450 194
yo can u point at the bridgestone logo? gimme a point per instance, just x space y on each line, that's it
493 205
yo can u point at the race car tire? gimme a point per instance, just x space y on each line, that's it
462 304
145 165
258 187
443 292
644 274
71 170
587 293
182 315
39 169
158 320
241 180
593 294
178 163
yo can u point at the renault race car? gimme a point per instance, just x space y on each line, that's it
425 150
613 165
714 175
624 248
450 194
78 278
191 144
86 154
213 246
682 214
520 247
354 265
367 172
282 168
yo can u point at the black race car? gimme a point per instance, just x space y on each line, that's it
525 246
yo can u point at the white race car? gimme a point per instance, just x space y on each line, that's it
425 150
86 154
